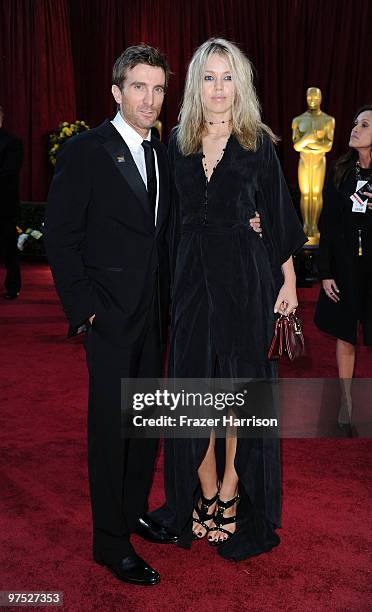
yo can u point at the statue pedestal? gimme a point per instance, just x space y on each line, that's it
312 240
305 263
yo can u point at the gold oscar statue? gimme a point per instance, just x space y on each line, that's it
159 127
312 134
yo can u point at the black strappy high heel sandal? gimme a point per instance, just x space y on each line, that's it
219 519
203 515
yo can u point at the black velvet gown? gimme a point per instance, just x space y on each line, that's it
225 283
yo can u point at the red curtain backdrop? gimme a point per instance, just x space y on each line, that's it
36 81
56 52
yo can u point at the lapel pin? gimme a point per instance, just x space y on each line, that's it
120 159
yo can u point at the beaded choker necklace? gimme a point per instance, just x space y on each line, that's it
218 122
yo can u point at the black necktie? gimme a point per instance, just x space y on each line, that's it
151 173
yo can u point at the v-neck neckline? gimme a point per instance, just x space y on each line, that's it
208 181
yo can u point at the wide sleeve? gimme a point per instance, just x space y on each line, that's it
328 221
65 228
280 219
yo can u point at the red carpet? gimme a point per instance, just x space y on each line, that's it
321 565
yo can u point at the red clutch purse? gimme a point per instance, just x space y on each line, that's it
288 339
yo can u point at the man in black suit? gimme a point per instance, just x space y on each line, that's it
10 167
105 237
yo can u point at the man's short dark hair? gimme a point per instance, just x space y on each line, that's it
138 54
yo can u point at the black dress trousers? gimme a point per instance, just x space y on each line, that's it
120 469
10 255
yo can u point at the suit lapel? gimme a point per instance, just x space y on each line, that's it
121 156
163 203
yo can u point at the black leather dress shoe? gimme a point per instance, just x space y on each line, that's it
152 532
345 428
11 295
131 569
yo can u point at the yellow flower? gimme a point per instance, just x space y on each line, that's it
64 131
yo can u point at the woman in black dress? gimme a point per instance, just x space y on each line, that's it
228 284
345 254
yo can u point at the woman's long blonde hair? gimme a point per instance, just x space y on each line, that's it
247 126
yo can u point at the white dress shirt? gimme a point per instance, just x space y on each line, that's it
134 143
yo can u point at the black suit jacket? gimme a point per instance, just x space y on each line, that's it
10 166
106 255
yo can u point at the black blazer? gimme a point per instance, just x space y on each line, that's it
106 255
10 166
